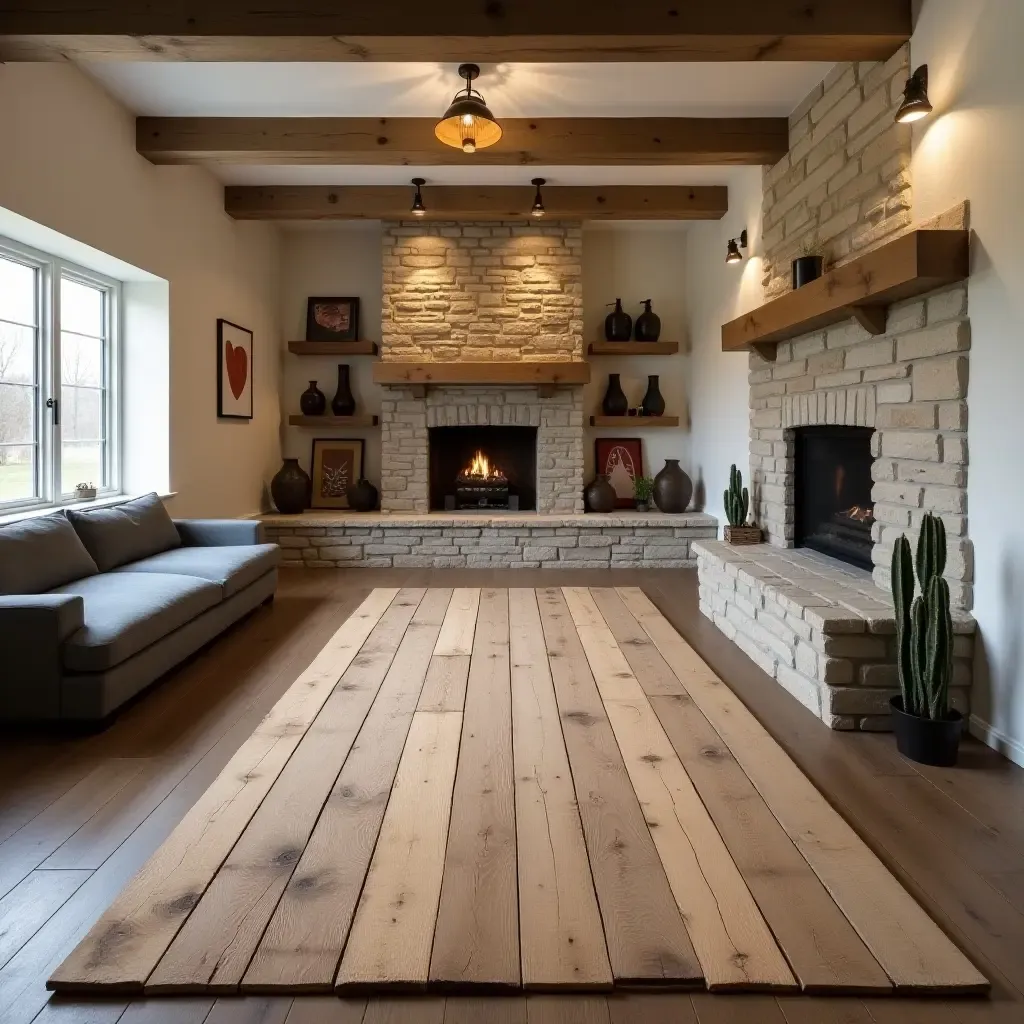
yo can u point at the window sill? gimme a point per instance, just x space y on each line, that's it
107 499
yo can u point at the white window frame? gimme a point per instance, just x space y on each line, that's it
50 272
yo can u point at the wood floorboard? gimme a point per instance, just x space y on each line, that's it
729 1009
31 903
492 1009
561 1010
168 1011
326 1010
651 1008
408 1010
250 1010
60 1012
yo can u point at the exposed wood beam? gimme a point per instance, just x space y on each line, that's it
496 30
476 202
410 140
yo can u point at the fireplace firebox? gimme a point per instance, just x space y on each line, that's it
834 510
483 468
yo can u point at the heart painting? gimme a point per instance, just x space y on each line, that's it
234 371
237 363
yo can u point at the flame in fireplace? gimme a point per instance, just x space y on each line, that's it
480 468
859 513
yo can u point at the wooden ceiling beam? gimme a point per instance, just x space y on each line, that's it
617 141
476 202
497 30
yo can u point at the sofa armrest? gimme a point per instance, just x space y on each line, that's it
216 533
32 629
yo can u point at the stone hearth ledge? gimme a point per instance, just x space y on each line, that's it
500 540
826 633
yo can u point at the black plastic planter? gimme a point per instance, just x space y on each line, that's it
924 740
806 269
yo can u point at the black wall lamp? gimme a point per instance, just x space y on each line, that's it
418 209
732 250
538 202
915 103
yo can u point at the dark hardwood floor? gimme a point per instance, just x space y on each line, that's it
80 814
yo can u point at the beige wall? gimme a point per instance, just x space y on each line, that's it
69 163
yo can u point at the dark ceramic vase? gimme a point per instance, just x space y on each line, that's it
313 401
618 325
672 488
648 324
362 497
806 269
291 488
654 403
615 402
343 403
600 495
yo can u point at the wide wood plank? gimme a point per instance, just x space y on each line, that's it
393 930
499 1009
326 1010
537 371
216 943
124 946
477 935
647 942
28 906
456 637
560 932
562 1010
444 689
303 943
408 1010
910 947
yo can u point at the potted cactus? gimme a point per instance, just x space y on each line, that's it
643 488
927 730
737 503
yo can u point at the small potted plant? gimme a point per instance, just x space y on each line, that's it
643 488
927 729
737 503
809 264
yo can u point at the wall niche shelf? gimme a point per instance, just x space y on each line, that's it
913 264
640 422
332 348
633 348
332 421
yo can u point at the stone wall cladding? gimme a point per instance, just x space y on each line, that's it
437 541
825 634
845 182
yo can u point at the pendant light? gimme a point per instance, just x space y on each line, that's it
915 103
468 124
732 249
538 202
418 209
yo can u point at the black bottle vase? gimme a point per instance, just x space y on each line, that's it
291 488
806 269
618 325
343 403
654 403
313 402
648 324
615 402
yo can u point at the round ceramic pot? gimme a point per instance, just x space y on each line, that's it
291 488
925 740
672 488
362 496
313 402
600 495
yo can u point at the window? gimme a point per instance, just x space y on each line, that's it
58 380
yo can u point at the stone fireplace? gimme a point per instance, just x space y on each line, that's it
484 468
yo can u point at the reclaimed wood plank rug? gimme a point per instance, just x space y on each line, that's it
512 789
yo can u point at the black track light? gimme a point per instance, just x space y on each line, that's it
915 103
538 202
732 250
418 209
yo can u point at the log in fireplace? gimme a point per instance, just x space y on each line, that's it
483 468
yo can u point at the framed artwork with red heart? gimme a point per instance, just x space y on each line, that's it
234 371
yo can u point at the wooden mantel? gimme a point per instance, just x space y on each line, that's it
545 375
863 289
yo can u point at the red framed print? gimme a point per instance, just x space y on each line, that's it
621 459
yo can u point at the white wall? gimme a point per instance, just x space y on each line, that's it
973 148
334 259
69 163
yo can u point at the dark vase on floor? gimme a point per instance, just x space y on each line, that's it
362 497
618 325
615 402
925 740
291 488
654 404
648 324
672 488
806 269
313 401
343 403
600 495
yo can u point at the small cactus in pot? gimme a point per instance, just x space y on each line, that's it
737 506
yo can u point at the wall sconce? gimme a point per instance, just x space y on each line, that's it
915 103
538 202
732 249
418 209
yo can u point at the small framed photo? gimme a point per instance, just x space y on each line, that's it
234 371
336 465
621 459
330 319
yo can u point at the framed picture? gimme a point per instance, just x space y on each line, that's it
330 319
336 464
234 371
621 459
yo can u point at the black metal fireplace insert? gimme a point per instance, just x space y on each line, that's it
834 510
482 468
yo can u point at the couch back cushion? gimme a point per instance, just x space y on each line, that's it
118 534
39 554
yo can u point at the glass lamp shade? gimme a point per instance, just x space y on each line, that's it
468 125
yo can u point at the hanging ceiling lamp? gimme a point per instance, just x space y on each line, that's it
468 124
418 209
915 103
538 202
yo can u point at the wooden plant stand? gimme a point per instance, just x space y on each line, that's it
739 535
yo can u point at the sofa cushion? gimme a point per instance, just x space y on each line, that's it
39 554
233 567
126 612
127 532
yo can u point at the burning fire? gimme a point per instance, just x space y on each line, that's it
480 468
859 513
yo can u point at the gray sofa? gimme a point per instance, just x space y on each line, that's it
96 605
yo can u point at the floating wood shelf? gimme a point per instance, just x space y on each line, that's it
332 421
641 422
633 348
332 348
544 374
863 289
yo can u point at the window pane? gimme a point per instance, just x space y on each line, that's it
81 308
17 292
81 360
81 463
17 473
81 414
17 414
17 354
